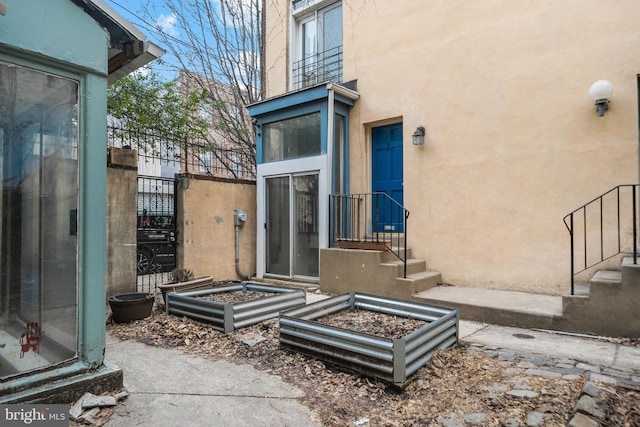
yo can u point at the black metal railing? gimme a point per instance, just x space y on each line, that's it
601 229
322 67
369 218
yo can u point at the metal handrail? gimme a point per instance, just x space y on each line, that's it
370 218
602 222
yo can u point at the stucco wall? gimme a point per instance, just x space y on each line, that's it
122 197
513 141
206 231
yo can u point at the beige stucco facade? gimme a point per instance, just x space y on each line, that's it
206 231
513 142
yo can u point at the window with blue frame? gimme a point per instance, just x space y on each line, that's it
291 138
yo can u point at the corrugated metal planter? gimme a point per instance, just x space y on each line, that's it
393 360
227 317
200 282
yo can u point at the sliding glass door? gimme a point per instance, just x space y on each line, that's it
292 226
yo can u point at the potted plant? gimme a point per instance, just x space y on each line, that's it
126 308
183 280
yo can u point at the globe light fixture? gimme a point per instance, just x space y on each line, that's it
600 92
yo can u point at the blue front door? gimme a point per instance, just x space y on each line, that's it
387 173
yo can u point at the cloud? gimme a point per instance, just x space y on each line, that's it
167 24
143 71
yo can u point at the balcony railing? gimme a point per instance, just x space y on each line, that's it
322 67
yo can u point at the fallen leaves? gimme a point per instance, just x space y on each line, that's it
454 381
374 323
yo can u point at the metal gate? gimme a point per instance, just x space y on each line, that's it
156 241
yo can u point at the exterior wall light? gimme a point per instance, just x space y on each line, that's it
600 92
418 136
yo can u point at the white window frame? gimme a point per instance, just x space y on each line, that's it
206 161
303 12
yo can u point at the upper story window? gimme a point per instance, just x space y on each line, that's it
317 47
292 138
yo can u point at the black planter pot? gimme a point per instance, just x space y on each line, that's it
129 307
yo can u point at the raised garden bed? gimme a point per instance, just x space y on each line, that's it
392 357
200 282
229 316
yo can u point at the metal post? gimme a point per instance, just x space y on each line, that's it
635 228
572 249
404 256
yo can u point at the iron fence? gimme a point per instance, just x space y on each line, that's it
159 160
159 156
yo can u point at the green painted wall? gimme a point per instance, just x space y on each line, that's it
55 29
58 37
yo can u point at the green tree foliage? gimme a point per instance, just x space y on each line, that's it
216 47
143 102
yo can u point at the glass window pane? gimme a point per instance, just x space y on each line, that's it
291 138
309 39
309 52
38 211
332 28
278 237
306 254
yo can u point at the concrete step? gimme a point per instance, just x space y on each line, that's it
388 256
507 308
607 277
421 281
414 265
603 284
580 290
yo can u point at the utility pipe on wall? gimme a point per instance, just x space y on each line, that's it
239 219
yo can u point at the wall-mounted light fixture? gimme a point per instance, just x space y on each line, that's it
600 92
418 136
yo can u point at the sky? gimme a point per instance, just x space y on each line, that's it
133 11
150 15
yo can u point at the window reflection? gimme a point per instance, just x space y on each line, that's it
38 211
292 138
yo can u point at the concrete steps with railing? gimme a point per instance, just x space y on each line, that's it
607 305
418 279
374 272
